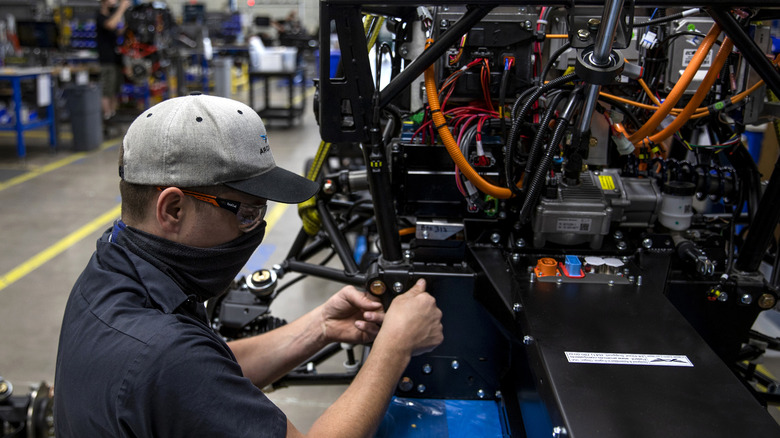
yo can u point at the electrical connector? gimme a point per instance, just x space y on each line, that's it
649 40
624 145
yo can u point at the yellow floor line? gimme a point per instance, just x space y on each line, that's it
49 253
274 215
101 222
54 166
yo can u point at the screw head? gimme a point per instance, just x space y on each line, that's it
723 296
455 364
426 369
583 34
481 393
377 287
647 243
621 245
618 235
558 431
517 307
527 340
495 238
766 301
405 384
520 243
328 187
746 299
420 388
398 287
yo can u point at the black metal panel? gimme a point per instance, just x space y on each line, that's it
604 400
471 339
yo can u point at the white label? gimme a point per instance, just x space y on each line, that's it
688 56
664 360
573 225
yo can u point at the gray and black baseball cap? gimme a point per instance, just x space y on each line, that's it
203 140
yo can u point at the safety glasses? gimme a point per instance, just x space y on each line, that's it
249 216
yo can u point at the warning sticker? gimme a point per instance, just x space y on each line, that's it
664 360
607 183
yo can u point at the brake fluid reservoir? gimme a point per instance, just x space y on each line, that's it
676 200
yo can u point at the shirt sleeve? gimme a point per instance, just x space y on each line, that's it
193 387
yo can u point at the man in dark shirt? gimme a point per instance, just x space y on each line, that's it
109 18
137 357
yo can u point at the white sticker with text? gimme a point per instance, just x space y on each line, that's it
665 360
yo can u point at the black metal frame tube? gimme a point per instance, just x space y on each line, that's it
768 213
747 47
337 238
433 53
325 272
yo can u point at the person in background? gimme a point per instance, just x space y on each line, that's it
137 356
109 20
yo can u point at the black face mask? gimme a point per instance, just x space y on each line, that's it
204 272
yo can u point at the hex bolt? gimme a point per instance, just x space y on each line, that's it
583 34
495 238
455 365
481 393
593 24
746 299
398 287
426 369
527 340
647 243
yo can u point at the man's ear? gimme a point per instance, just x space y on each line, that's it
170 211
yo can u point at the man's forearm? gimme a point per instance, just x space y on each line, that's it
266 358
360 409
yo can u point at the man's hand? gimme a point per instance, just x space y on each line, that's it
413 322
351 316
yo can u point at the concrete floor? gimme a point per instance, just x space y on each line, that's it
55 205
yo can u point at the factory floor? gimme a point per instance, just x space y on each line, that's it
56 204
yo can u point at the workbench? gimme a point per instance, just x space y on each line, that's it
295 79
45 100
